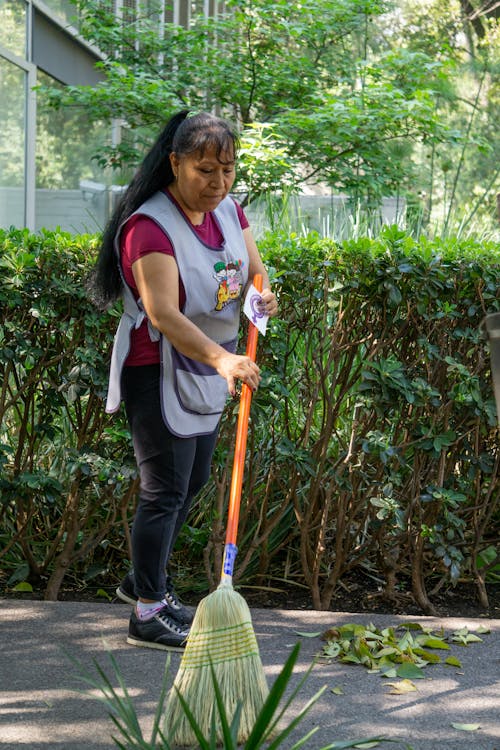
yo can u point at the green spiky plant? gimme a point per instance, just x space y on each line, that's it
269 730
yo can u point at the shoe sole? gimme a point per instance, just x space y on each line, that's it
151 644
125 597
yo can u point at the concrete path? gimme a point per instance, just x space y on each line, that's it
40 710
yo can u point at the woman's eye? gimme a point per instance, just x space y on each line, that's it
204 170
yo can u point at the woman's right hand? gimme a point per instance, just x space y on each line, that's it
157 279
235 367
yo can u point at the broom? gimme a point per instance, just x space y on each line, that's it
222 639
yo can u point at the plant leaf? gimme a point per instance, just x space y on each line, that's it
465 727
410 671
23 586
464 640
431 642
452 661
427 655
390 673
331 649
402 687
411 626
345 744
386 651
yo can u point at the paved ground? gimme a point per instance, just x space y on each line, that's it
40 710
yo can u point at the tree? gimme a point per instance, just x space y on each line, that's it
460 178
478 14
318 93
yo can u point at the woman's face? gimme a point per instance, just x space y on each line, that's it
202 180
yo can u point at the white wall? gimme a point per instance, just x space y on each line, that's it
11 207
71 210
87 209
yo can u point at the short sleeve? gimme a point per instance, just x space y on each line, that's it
244 223
141 236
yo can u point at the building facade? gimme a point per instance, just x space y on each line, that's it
48 178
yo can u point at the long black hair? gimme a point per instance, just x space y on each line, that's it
183 134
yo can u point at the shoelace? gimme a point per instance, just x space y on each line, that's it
172 600
171 624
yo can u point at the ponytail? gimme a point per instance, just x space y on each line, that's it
183 134
155 172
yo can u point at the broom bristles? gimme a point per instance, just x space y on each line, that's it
221 639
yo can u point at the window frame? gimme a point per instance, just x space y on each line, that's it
30 131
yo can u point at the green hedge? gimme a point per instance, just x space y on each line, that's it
66 467
373 442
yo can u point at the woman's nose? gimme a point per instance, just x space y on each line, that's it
218 178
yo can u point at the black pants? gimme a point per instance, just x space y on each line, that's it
172 471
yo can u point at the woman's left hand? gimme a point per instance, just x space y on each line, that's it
270 302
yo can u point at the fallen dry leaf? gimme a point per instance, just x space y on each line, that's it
401 687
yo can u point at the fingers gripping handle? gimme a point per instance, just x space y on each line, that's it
230 548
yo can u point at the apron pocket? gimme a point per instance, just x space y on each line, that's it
200 389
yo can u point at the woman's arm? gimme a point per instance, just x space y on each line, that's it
157 278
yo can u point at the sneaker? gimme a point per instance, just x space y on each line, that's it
178 611
160 632
126 589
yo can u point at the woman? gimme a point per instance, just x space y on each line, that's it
179 251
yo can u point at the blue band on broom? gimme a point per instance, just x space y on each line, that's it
222 638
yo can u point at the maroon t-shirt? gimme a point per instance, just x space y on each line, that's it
141 236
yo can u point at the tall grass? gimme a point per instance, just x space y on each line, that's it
338 218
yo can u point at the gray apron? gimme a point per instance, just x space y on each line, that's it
193 394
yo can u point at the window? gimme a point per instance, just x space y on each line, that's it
65 10
13 26
70 185
13 86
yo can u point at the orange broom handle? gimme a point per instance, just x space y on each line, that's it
241 435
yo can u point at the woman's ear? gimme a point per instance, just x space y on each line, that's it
174 163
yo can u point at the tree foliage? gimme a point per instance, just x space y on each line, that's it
459 178
315 86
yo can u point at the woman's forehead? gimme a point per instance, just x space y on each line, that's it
213 153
